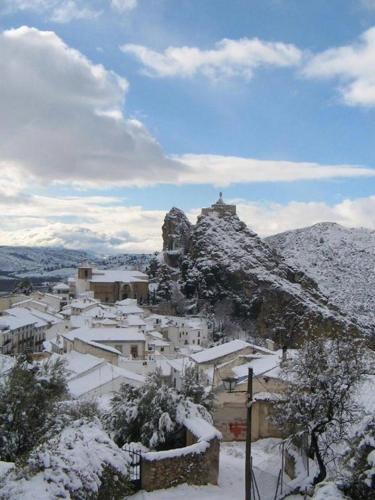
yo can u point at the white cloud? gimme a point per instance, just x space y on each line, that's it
68 10
124 5
61 117
104 224
228 58
225 170
353 66
272 218
58 11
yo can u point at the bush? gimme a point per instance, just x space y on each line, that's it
81 462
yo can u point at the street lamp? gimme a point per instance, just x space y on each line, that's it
229 384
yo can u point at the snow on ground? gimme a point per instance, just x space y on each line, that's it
266 460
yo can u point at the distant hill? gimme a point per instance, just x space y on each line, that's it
341 261
50 262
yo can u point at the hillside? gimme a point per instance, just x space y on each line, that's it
51 262
229 268
342 262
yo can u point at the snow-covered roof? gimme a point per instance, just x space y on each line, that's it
268 364
113 275
45 316
130 309
135 321
83 303
155 335
61 286
6 363
17 317
100 376
127 302
159 343
99 311
103 334
106 321
77 363
219 351
104 347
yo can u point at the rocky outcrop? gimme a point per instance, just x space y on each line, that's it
228 266
176 236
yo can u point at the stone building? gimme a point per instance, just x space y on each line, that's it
220 208
110 286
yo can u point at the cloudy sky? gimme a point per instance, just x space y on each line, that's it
113 111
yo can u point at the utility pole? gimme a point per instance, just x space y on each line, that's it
248 464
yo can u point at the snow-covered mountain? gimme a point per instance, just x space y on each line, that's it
229 268
342 262
50 262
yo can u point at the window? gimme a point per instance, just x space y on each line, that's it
199 333
134 351
162 349
199 342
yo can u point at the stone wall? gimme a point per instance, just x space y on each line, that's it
197 463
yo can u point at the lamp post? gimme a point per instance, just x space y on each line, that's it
229 384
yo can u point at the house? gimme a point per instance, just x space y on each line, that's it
110 286
127 341
224 353
62 291
181 331
90 377
21 331
268 387
102 380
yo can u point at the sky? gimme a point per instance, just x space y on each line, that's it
114 111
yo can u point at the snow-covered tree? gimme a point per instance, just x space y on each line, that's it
152 414
195 388
164 278
27 399
359 472
79 462
146 414
319 399
153 267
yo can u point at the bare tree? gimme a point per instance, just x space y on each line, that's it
319 399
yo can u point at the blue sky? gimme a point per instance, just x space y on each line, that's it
280 116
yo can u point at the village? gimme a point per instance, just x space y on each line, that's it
217 399
99 325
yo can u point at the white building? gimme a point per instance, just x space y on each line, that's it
21 331
181 331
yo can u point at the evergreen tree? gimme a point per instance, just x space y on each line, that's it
195 389
27 399
153 267
164 290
